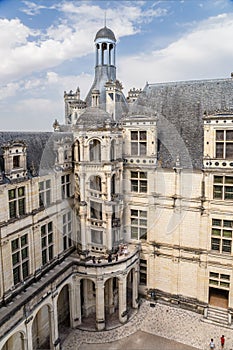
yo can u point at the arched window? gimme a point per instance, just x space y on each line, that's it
112 150
95 150
95 183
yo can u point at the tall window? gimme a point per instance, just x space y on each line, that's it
47 242
143 272
221 236
67 230
20 258
138 181
16 202
224 144
219 280
45 193
223 187
65 186
138 143
95 150
138 224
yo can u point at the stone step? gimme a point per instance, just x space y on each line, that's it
218 315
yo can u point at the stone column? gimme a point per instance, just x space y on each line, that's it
135 289
108 185
100 315
122 283
82 213
85 297
75 300
110 296
28 324
53 320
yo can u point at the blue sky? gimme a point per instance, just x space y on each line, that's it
47 47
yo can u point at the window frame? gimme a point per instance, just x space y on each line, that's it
138 224
139 181
20 259
222 188
138 142
47 243
17 202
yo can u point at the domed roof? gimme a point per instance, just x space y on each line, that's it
94 117
105 33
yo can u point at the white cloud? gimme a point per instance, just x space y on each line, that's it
24 51
206 52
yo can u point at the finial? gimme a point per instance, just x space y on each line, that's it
105 18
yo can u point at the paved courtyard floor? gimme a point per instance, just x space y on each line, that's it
138 341
161 327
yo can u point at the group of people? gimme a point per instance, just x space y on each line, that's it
222 341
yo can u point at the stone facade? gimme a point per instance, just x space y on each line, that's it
124 198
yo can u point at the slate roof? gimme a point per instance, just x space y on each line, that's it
93 118
40 148
180 107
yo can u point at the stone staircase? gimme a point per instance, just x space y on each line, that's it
218 316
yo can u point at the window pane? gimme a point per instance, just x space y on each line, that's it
134 232
25 268
50 226
142 148
142 135
229 150
225 277
219 150
21 191
143 233
216 232
11 194
134 135
16 274
134 185
134 148
216 222
134 212
227 233
229 180
50 238
15 244
12 208
218 179
50 252
143 175
215 244
229 192
43 242
226 246
15 258
213 282
24 253
214 274
227 223
229 135
134 174
224 284
219 135
48 184
22 206
41 186
44 257
143 186
218 192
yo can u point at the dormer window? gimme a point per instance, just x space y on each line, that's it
224 144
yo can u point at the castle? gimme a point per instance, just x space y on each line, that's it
130 196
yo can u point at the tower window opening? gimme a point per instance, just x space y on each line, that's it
16 161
